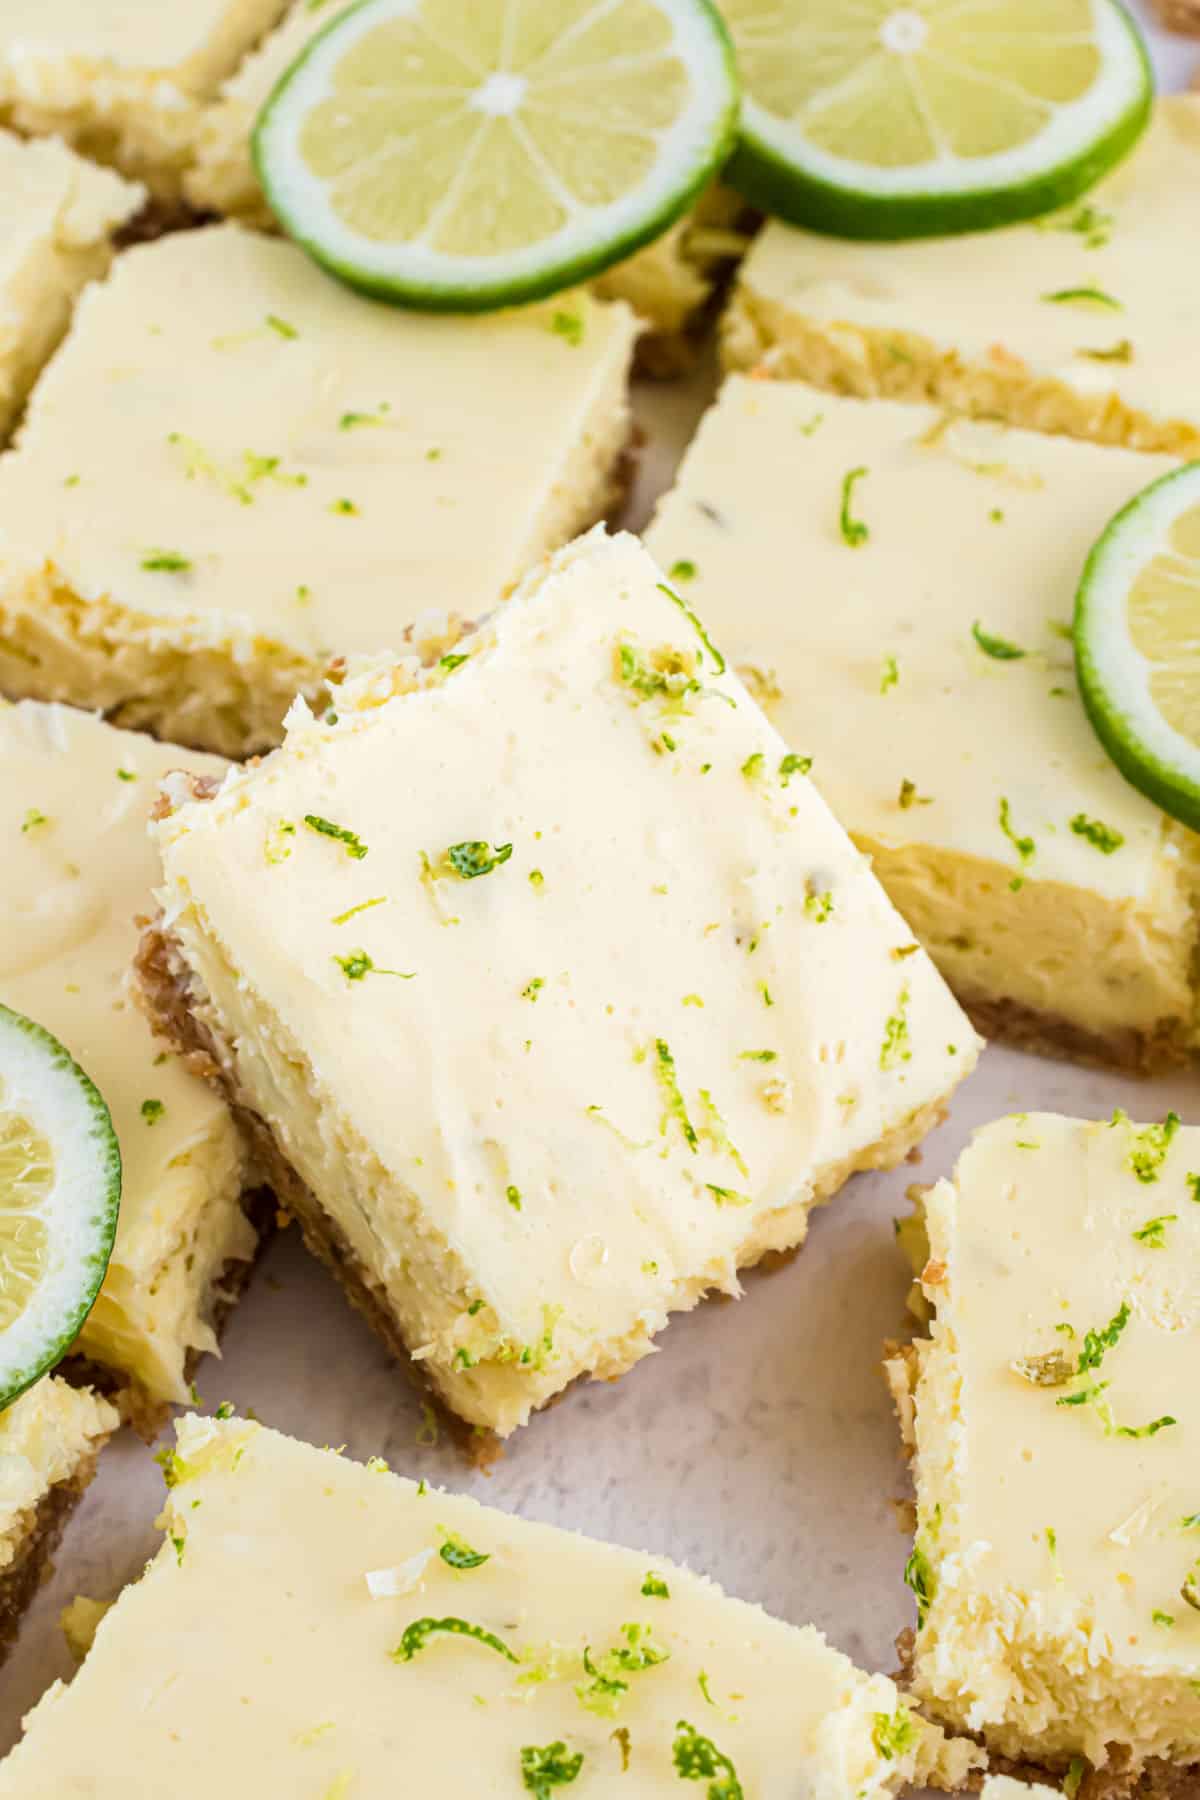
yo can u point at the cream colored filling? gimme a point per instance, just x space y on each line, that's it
44 1437
1057 1549
217 1637
976 326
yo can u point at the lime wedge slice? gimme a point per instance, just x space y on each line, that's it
1137 642
875 119
60 1191
452 155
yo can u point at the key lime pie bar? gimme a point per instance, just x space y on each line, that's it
122 82
899 588
78 867
1084 322
545 1657
209 500
49 1441
60 214
555 990
1054 1419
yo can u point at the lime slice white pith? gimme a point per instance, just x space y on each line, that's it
60 1191
1137 642
878 119
463 155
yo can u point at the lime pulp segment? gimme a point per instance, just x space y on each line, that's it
1137 642
875 119
449 155
60 1190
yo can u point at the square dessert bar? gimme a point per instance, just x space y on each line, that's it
899 588
313 1626
1053 1415
1086 322
49 1441
556 991
78 867
667 283
56 233
209 501
122 81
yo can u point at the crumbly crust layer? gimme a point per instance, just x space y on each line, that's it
1180 15
1046 1034
39 1533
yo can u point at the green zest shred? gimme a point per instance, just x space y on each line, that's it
1153 1232
549 1767
919 1576
698 1759
854 531
459 1555
1083 296
1149 1146
168 562
894 1048
894 1734
418 1634
1103 837
996 647
676 1107
326 828
693 620
475 857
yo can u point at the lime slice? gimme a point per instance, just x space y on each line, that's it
460 156
60 1190
874 119
1137 642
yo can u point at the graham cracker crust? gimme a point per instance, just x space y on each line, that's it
140 1410
1155 1780
43 1526
1130 1051
1180 15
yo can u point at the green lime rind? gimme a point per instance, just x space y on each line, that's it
483 295
787 190
82 1213
1107 677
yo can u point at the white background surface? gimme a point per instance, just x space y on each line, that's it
758 1445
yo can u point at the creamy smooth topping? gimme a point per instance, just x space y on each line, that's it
55 229
45 1436
541 973
1057 1416
281 469
1099 298
312 1626
77 868
899 588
